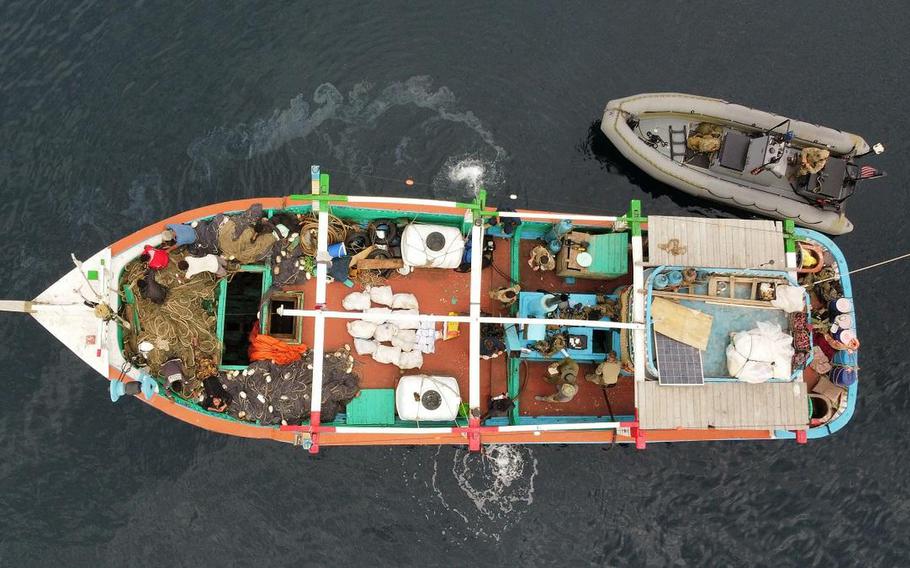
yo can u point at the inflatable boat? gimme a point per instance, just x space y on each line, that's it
323 319
768 164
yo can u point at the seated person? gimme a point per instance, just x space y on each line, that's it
172 370
216 398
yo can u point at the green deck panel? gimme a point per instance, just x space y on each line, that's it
372 407
610 253
364 216
514 386
130 299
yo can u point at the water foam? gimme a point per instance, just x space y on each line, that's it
497 484
339 128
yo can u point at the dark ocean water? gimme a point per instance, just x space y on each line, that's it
115 115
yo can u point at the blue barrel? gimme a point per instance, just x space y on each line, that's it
845 358
675 277
661 281
843 376
840 306
845 336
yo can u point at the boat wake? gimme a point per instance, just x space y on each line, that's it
495 488
351 134
468 174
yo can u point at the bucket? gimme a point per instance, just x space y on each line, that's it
843 376
675 277
661 281
840 306
337 250
584 259
819 409
844 321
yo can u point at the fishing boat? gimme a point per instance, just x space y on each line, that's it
745 158
321 319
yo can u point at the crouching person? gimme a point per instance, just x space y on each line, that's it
564 375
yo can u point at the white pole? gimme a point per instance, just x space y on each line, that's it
392 316
474 326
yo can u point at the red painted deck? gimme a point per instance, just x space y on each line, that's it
445 291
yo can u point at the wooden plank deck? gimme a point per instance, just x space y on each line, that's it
723 405
715 243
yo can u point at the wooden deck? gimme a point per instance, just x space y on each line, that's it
715 243
724 405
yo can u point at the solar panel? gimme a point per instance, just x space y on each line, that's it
678 363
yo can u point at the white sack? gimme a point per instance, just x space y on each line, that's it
361 329
381 295
407 323
410 360
374 311
387 354
789 298
364 346
404 302
356 301
403 342
762 353
385 332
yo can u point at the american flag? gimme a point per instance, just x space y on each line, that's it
868 172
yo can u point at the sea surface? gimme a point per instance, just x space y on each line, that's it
117 114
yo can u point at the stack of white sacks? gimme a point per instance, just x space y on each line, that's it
394 342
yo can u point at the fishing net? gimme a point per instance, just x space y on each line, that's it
184 325
272 394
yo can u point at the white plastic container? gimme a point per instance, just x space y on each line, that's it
427 397
431 246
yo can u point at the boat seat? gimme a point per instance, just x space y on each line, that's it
829 183
733 150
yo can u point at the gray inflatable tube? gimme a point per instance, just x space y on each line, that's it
701 184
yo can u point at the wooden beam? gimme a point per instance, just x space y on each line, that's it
713 299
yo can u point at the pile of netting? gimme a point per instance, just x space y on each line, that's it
272 394
184 325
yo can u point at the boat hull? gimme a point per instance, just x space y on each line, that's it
110 364
701 184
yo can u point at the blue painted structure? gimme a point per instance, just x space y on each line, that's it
722 327
528 303
853 390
